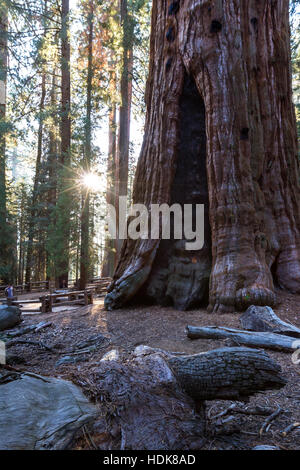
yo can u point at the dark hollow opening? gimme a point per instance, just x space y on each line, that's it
173 8
254 22
168 64
170 34
181 277
245 133
216 26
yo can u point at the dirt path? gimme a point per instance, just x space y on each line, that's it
163 328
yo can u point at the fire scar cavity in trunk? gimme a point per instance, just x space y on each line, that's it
181 277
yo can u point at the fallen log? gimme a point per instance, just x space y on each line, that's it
257 318
148 398
227 373
29 329
144 400
249 338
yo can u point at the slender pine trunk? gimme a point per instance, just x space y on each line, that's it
110 244
4 262
33 208
52 164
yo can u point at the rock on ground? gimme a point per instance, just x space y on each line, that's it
9 317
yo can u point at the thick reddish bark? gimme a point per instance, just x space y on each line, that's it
237 54
110 244
64 199
86 164
125 110
37 176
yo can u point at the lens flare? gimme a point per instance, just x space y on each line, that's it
92 181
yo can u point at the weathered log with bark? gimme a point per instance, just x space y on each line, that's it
148 398
220 131
229 373
264 319
249 338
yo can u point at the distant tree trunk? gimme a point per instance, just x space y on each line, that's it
124 115
33 206
224 67
52 162
64 198
85 215
21 237
3 78
110 244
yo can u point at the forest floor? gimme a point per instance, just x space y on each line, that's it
163 327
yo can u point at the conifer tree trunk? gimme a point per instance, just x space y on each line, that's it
3 79
110 244
64 198
224 67
33 209
52 162
125 109
22 221
85 215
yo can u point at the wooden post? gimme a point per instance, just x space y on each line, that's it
43 306
50 303
86 299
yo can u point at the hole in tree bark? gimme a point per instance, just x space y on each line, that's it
254 22
216 26
245 133
178 276
168 64
173 8
170 34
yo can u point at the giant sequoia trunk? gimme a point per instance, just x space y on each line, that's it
222 66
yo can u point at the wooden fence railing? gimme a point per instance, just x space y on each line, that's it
47 302
36 286
99 283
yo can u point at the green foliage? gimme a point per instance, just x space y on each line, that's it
295 49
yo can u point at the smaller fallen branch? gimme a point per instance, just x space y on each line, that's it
13 342
29 329
249 338
268 421
234 408
290 428
42 325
